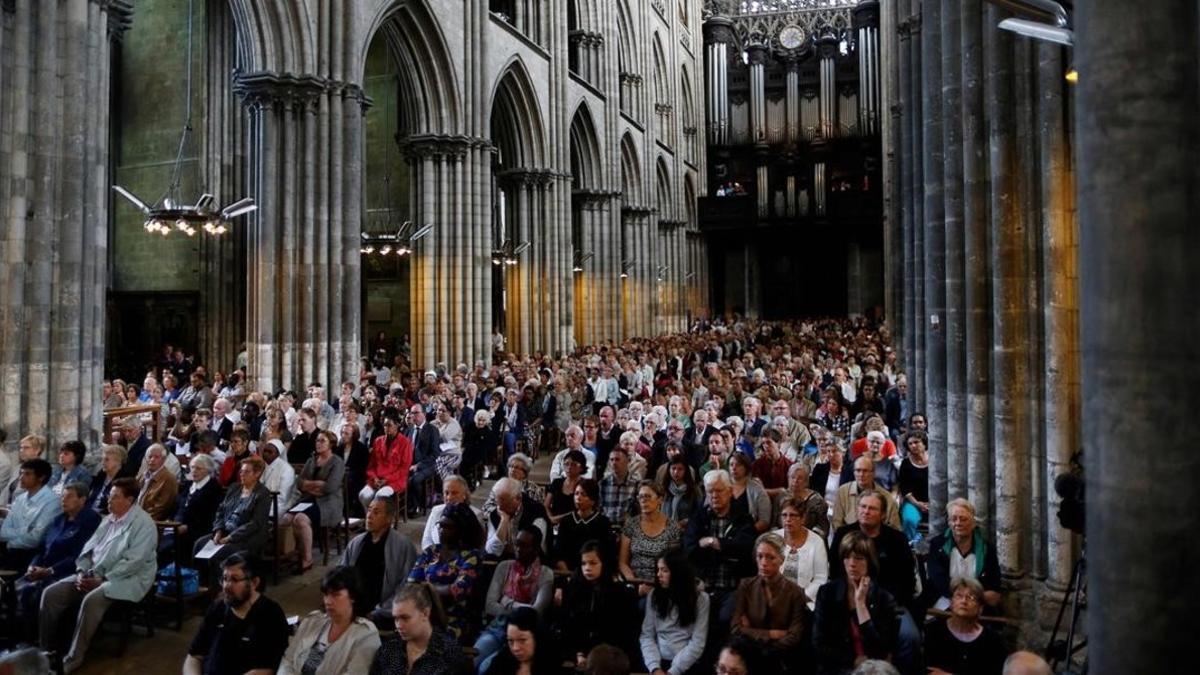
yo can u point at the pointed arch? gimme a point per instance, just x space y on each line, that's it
665 203
631 172
516 119
662 89
429 100
689 200
585 150
275 35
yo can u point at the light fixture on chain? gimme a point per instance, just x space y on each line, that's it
169 214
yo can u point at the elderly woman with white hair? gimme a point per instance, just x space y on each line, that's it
960 643
479 442
887 476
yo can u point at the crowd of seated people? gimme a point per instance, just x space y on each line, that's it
751 492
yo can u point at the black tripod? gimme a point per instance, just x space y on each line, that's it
1062 650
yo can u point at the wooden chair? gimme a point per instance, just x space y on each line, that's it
176 596
125 613
339 534
271 554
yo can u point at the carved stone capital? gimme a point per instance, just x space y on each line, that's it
718 29
120 15
442 147
265 89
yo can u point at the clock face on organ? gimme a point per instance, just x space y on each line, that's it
791 37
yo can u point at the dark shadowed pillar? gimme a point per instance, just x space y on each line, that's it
1138 196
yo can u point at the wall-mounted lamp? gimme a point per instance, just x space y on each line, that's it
580 258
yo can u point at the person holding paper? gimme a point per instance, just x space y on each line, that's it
199 500
241 522
320 484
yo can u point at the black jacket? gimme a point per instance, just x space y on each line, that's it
820 474
897 567
938 566
831 627
737 544
198 510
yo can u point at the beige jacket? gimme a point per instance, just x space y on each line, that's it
845 507
351 654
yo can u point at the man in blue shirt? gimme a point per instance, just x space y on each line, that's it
29 516
61 547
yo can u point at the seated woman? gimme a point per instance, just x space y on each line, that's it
241 520
479 443
560 497
355 457
814 511
914 483
855 619
320 488
523 582
805 561
110 470
770 609
646 537
528 648
681 494
887 476
199 500
960 643
741 657
452 565
585 524
70 467
595 609
962 551
337 641
749 495
422 645
675 626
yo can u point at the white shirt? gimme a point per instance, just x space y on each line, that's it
431 535
556 467
281 477
960 565
808 565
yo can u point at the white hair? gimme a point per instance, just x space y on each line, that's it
717 476
876 435
507 486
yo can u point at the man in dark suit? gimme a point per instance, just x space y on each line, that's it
137 444
304 445
607 437
512 416
895 406
427 442
695 441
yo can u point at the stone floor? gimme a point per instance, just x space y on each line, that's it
298 595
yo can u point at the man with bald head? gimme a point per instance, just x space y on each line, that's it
845 506
1026 663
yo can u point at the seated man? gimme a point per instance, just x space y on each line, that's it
845 506
61 546
117 563
963 551
29 516
515 511
31 447
454 491
158 486
618 489
426 443
243 631
383 558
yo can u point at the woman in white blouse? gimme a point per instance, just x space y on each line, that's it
804 558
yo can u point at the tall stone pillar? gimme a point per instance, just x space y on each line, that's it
955 256
1138 194
305 306
935 260
976 270
54 196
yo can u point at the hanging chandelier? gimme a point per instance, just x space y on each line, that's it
508 252
398 242
170 213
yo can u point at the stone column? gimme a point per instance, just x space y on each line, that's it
906 107
223 259
304 310
54 197
1138 194
1010 269
976 269
935 261
955 328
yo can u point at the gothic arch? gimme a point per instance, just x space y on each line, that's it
516 119
631 172
665 203
430 102
689 201
585 150
662 89
275 35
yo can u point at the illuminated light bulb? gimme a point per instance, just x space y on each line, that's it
385 250
1072 76
181 224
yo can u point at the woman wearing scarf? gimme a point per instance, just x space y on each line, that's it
523 582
